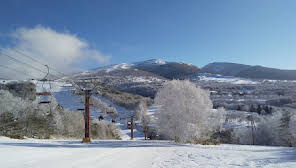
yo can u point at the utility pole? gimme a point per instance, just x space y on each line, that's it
132 127
87 92
87 116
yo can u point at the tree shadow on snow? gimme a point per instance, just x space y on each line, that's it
279 155
288 155
94 144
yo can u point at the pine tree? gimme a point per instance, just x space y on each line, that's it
259 109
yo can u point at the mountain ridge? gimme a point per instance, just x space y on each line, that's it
249 71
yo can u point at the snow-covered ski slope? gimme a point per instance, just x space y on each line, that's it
62 92
138 154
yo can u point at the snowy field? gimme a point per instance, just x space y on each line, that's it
226 79
32 153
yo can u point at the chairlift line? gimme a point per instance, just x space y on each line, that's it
21 62
24 63
17 71
33 59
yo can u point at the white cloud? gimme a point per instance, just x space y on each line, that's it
63 51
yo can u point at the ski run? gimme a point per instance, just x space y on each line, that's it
32 153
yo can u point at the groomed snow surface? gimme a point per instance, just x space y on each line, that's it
32 153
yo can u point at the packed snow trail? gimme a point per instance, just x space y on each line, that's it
32 153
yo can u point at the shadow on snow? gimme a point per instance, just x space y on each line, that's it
94 144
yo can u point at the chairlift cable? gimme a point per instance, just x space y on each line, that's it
33 59
15 70
24 63
21 62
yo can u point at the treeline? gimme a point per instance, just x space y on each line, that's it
254 108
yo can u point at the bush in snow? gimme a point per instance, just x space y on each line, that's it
265 132
65 123
186 113
277 129
24 90
104 130
25 119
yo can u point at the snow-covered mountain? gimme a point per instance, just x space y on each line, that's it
143 78
169 70
146 77
247 71
225 68
124 66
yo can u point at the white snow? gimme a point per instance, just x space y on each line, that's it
160 62
151 62
33 153
275 81
143 79
226 79
118 67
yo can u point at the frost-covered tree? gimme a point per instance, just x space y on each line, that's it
186 112
143 117
141 110
276 129
266 131
15 105
25 117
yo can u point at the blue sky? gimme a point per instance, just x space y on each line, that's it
256 32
